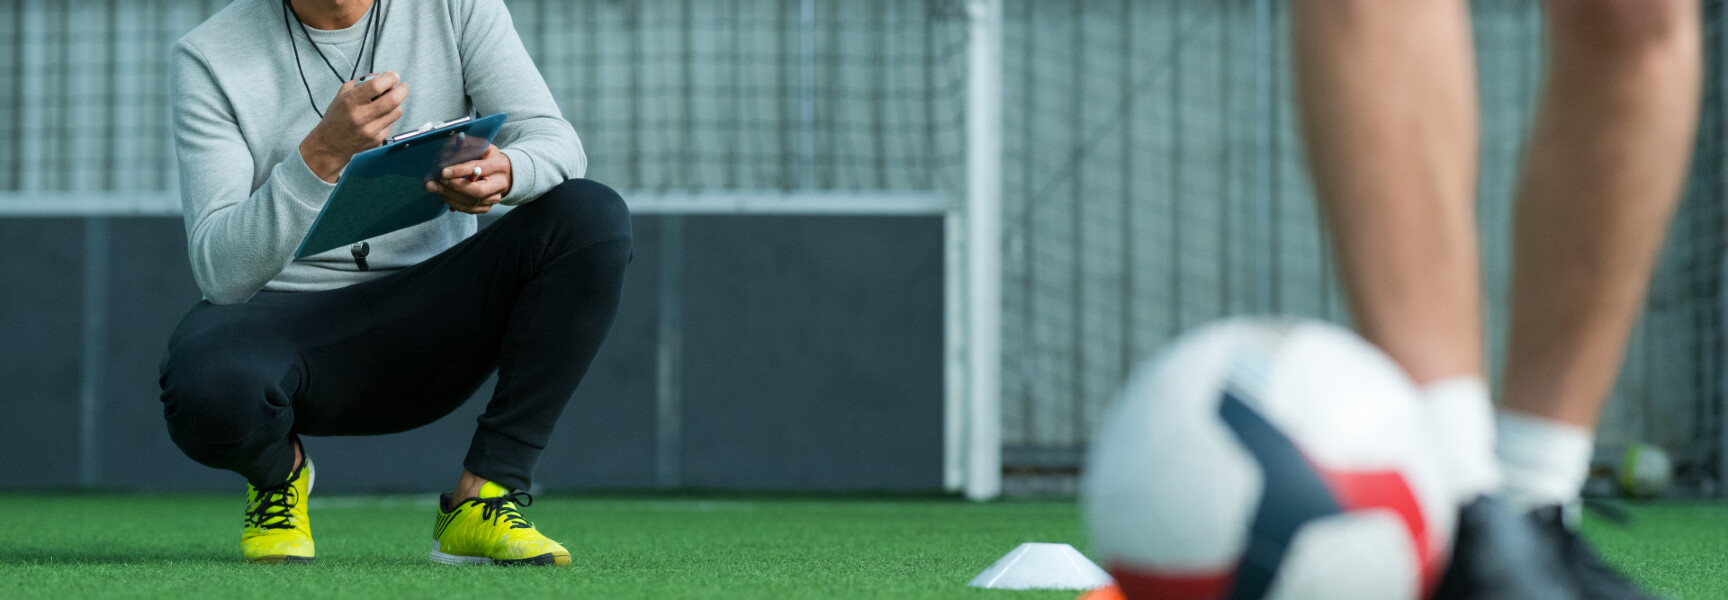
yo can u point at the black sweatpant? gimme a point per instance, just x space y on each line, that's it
532 297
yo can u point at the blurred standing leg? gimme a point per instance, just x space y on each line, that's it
1607 161
1389 111
1387 92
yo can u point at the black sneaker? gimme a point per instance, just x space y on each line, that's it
1593 579
1498 556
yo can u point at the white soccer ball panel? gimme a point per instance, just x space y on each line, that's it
1167 483
1349 407
1170 488
1354 556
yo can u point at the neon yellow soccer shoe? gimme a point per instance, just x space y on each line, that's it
489 530
277 528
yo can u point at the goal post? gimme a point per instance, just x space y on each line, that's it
982 312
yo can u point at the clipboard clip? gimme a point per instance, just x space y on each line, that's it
429 126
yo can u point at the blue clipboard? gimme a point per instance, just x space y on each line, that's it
384 189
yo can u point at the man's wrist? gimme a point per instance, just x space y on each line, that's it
326 165
509 174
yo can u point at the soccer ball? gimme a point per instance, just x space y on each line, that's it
1268 459
1646 471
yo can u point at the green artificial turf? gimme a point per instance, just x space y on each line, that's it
1677 550
69 546
63 546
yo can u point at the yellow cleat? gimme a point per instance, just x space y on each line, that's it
489 530
277 528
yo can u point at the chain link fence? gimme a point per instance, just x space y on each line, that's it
1156 181
667 94
1154 174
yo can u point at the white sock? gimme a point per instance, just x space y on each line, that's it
1545 460
1462 418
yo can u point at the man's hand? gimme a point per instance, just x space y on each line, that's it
474 187
357 120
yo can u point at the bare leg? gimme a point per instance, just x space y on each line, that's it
1389 111
1608 157
1607 160
467 486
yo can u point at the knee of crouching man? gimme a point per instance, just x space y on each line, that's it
590 208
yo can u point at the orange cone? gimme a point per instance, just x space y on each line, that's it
1109 592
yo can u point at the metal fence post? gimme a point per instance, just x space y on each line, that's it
984 123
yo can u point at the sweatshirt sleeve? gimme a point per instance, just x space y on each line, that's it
543 148
238 238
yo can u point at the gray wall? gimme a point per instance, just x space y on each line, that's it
812 362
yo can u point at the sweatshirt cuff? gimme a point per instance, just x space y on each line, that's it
521 177
302 184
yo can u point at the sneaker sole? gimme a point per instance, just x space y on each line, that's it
547 559
281 560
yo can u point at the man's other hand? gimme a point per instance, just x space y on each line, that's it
358 120
474 187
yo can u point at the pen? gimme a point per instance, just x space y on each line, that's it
473 177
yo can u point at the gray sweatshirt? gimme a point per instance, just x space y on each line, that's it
241 111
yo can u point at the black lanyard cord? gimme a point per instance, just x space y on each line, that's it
373 23
371 19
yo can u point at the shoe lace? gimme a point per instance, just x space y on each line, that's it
504 507
269 508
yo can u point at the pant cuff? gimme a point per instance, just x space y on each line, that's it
273 465
501 459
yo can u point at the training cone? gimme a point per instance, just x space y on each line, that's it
1109 592
1034 566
